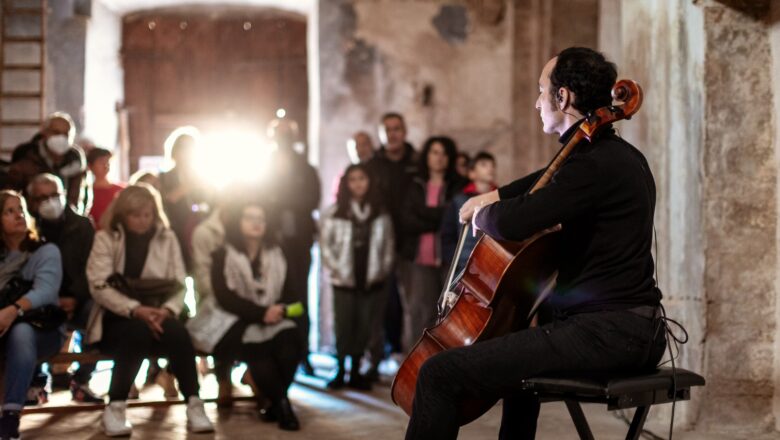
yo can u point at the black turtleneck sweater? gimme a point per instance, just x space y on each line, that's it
604 198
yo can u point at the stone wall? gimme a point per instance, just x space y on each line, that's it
707 129
442 65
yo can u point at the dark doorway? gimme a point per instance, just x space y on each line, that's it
211 68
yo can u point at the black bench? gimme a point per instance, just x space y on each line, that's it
618 392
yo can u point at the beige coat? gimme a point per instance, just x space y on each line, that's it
207 237
163 261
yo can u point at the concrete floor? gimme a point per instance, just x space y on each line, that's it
323 414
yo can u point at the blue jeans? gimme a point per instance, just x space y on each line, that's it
24 345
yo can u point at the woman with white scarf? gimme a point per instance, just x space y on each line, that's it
356 241
245 318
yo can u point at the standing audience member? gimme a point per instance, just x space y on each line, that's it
392 169
244 319
145 176
103 190
73 235
297 195
137 245
51 151
22 254
360 148
184 196
423 212
462 164
482 172
357 246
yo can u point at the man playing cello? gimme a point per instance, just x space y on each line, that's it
605 303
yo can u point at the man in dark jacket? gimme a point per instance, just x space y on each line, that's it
391 169
605 301
73 234
51 151
295 187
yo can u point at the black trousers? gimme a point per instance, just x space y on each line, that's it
355 313
590 342
130 341
271 364
298 257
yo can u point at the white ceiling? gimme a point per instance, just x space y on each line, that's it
128 6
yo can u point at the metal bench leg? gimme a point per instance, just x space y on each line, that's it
578 417
638 422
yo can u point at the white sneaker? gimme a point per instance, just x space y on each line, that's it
115 422
197 421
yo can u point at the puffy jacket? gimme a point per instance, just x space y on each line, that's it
338 253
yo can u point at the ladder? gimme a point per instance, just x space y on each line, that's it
22 75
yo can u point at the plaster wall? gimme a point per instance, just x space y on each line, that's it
103 76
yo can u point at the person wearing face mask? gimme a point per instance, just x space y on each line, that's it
51 151
73 234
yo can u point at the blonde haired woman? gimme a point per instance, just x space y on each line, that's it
136 243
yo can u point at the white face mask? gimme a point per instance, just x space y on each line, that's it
52 208
58 144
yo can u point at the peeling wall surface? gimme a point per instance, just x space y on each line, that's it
437 63
707 129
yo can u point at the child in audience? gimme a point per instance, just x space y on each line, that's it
103 190
482 173
357 245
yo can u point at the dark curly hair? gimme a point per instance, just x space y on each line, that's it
344 197
450 149
587 74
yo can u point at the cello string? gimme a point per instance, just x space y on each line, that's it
444 296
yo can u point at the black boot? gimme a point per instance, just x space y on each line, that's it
359 382
338 381
287 419
269 413
9 425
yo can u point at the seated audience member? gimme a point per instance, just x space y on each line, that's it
135 247
23 255
209 236
244 318
357 246
482 172
51 151
103 190
73 235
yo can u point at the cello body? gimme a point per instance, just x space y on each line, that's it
490 303
502 281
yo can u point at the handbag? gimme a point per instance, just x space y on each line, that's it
151 292
47 317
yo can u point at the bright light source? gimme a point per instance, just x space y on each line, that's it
281 113
233 156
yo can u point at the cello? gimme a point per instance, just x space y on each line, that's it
503 282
